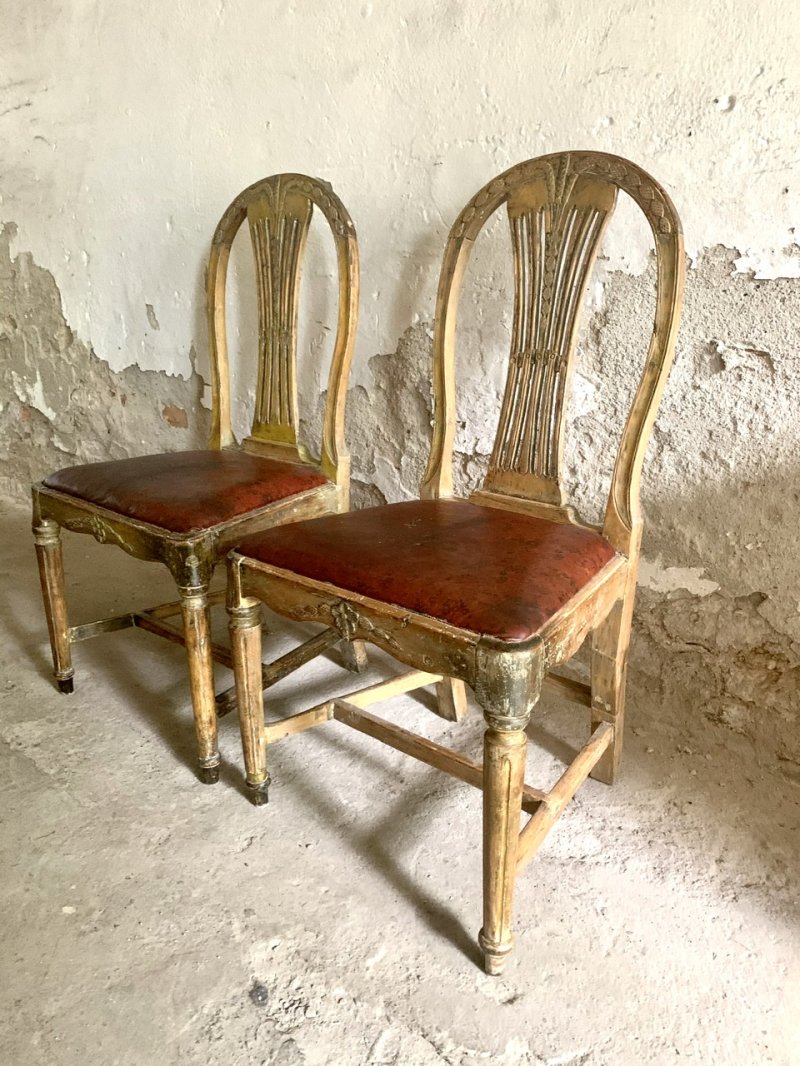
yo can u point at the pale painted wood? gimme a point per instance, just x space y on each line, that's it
558 207
278 211
245 633
197 630
503 772
298 723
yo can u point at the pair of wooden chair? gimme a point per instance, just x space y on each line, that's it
495 592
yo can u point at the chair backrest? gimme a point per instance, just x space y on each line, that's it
558 208
278 210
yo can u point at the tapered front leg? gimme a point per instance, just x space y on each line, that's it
47 538
197 629
503 776
245 630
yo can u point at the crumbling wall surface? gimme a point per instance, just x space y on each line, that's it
717 621
60 404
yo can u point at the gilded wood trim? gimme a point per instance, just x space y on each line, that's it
183 553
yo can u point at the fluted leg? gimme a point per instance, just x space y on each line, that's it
503 775
47 537
245 630
451 696
197 629
609 667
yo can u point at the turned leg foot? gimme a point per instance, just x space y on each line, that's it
258 792
208 775
494 955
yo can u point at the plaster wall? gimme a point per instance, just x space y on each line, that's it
125 132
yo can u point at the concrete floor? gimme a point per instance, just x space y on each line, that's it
150 920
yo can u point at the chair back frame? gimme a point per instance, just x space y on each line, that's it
558 208
278 211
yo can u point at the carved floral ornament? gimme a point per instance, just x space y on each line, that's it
275 192
560 181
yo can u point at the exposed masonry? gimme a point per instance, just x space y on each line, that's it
60 404
717 620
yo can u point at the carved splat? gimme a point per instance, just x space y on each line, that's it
278 211
556 227
279 222
558 208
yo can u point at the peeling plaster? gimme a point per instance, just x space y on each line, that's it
653 575
60 404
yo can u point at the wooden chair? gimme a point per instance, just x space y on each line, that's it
498 590
187 510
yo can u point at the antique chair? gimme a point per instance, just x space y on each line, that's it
500 589
187 510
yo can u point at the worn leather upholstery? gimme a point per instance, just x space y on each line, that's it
489 571
184 492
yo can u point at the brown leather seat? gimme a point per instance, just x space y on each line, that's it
186 491
489 571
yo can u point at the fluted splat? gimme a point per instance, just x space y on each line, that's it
279 224
556 226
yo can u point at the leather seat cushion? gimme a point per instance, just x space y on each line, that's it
185 492
492 572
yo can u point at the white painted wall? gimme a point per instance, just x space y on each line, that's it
126 128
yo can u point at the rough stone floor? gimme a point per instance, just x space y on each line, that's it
149 920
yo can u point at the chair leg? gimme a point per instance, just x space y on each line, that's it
354 655
197 629
610 642
451 696
503 775
245 630
47 537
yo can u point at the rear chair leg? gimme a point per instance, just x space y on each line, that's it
610 642
245 630
354 655
47 537
197 629
451 696
503 775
